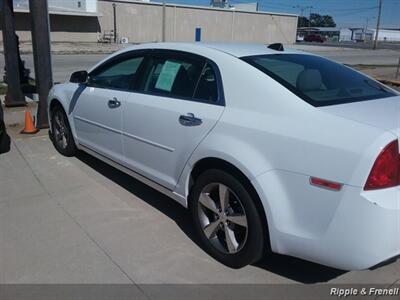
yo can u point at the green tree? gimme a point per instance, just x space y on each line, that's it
302 22
316 20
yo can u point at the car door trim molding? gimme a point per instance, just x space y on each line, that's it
147 141
97 124
169 149
160 188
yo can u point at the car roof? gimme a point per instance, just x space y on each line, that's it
245 49
234 49
231 49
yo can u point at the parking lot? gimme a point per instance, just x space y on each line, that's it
78 220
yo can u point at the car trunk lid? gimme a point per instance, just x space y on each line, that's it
382 113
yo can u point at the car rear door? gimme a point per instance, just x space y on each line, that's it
98 109
178 102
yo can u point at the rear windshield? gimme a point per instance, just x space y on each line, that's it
317 80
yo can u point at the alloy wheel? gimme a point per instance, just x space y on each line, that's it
222 218
60 130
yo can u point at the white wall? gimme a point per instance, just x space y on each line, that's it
390 35
142 22
345 34
91 6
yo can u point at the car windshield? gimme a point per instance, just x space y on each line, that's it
317 80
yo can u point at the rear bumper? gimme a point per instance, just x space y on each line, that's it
349 230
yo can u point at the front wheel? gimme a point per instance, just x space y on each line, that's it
226 219
61 134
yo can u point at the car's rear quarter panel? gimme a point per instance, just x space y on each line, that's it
278 141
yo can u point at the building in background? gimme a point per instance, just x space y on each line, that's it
220 3
328 33
141 21
351 34
253 6
387 35
70 20
63 5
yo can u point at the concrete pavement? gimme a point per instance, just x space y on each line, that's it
78 220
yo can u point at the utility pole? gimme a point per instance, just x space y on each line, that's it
366 27
14 96
309 20
164 21
42 56
378 23
115 21
302 8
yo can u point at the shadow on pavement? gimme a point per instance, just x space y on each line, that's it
297 269
286 266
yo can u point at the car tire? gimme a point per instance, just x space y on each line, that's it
61 134
238 238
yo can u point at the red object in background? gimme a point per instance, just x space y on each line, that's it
314 38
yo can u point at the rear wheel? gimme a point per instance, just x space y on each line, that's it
226 219
61 134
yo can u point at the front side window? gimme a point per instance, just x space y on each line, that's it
317 80
119 75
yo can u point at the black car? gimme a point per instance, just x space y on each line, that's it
4 138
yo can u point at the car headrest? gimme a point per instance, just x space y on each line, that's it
309 80
182 83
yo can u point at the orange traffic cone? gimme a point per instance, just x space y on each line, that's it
29 127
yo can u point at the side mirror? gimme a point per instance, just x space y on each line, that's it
79 77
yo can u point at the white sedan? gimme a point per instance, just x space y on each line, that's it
270 149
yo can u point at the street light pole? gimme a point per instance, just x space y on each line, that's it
309 20
302 9
378 23
42 56
163 21
366 27
115 21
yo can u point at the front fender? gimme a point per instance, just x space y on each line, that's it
64 94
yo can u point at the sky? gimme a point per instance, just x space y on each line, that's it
346 13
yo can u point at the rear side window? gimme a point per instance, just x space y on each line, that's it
317 80
118 75
207 88
175 77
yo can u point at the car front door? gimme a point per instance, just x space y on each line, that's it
98 109
179 101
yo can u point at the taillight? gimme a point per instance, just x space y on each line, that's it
385 172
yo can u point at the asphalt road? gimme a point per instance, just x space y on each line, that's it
64 65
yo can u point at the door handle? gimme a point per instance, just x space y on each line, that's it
189 120
114 103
